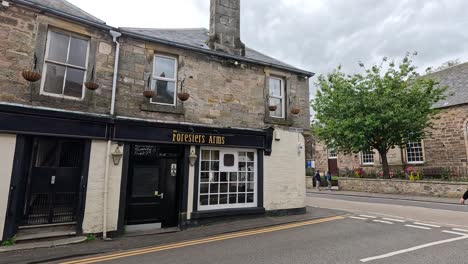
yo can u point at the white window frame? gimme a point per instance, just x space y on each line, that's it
365 156
331 150
282 97
47 61
228 206
422 152
155 78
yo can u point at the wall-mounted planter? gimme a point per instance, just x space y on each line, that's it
91 85
272 107
295 111
31 75
148 93
183 96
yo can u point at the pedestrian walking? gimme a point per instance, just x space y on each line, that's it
328 179
317 180
464 198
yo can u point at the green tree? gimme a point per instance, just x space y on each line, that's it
387 105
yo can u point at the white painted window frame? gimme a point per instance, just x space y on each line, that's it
47 61
228 206
329 151
155 78
422 152
369 154
282 97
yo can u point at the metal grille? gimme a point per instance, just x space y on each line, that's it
38 208
64 207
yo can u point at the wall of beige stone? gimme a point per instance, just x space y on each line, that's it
23 34
430 188
94 207
284 173
7 145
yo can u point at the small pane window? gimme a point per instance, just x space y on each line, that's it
414 152
164 80
276 96
65 65
367 157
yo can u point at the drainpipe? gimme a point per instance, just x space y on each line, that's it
114 35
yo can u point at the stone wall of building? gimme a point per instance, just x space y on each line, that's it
23 34
430 188
220 93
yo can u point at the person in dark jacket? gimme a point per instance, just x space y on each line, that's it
464 198
317 180
328 178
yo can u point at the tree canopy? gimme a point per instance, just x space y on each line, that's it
387 105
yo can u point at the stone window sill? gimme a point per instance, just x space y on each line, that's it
178 110
278 121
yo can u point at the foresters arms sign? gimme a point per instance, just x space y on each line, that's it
197 138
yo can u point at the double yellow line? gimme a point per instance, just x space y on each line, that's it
199 241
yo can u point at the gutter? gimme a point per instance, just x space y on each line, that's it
211 52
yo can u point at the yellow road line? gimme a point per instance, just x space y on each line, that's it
200 241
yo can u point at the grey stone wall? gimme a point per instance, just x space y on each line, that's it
430 188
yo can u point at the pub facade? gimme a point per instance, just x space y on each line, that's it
181 127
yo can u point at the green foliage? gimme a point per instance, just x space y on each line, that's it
310 172
9 242
386 106
90 237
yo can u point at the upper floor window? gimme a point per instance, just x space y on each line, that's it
164 80
414 152
277 96
65 65
367 158
332 152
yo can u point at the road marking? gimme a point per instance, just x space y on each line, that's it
417 223
383 222
394 220
420 227
200 241
357 217
415 248
455 233
461 230
368 216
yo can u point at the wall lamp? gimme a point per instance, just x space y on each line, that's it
117 155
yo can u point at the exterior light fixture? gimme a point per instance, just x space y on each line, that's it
116 155
192 157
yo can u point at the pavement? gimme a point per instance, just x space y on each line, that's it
57 254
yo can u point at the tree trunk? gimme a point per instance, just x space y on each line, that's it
386 170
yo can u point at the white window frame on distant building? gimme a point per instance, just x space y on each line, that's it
415 152
280 97
166 79
367 157
332 153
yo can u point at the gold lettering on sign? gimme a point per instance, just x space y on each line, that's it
193 138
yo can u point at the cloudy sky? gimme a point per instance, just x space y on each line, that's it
317 35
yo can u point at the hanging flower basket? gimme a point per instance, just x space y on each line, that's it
272 108
91 85
183 96
148 93
31 75
295 111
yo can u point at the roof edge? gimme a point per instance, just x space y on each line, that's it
63 14
212 52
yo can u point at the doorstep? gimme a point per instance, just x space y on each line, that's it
44 244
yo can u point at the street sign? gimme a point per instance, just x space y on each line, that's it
310 164
296 130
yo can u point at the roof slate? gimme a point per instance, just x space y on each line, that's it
197 37
456 79
66 7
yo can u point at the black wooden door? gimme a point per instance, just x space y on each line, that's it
151 190
53 181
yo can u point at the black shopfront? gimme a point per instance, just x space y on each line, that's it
51 163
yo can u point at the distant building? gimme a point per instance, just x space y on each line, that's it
445 147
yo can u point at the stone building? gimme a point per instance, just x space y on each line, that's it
444 150
186 124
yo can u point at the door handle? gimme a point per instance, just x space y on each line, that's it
52 179
161 196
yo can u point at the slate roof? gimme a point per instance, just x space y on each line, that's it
66 7
196 37
456 78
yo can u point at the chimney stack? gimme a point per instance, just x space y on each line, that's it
225 27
